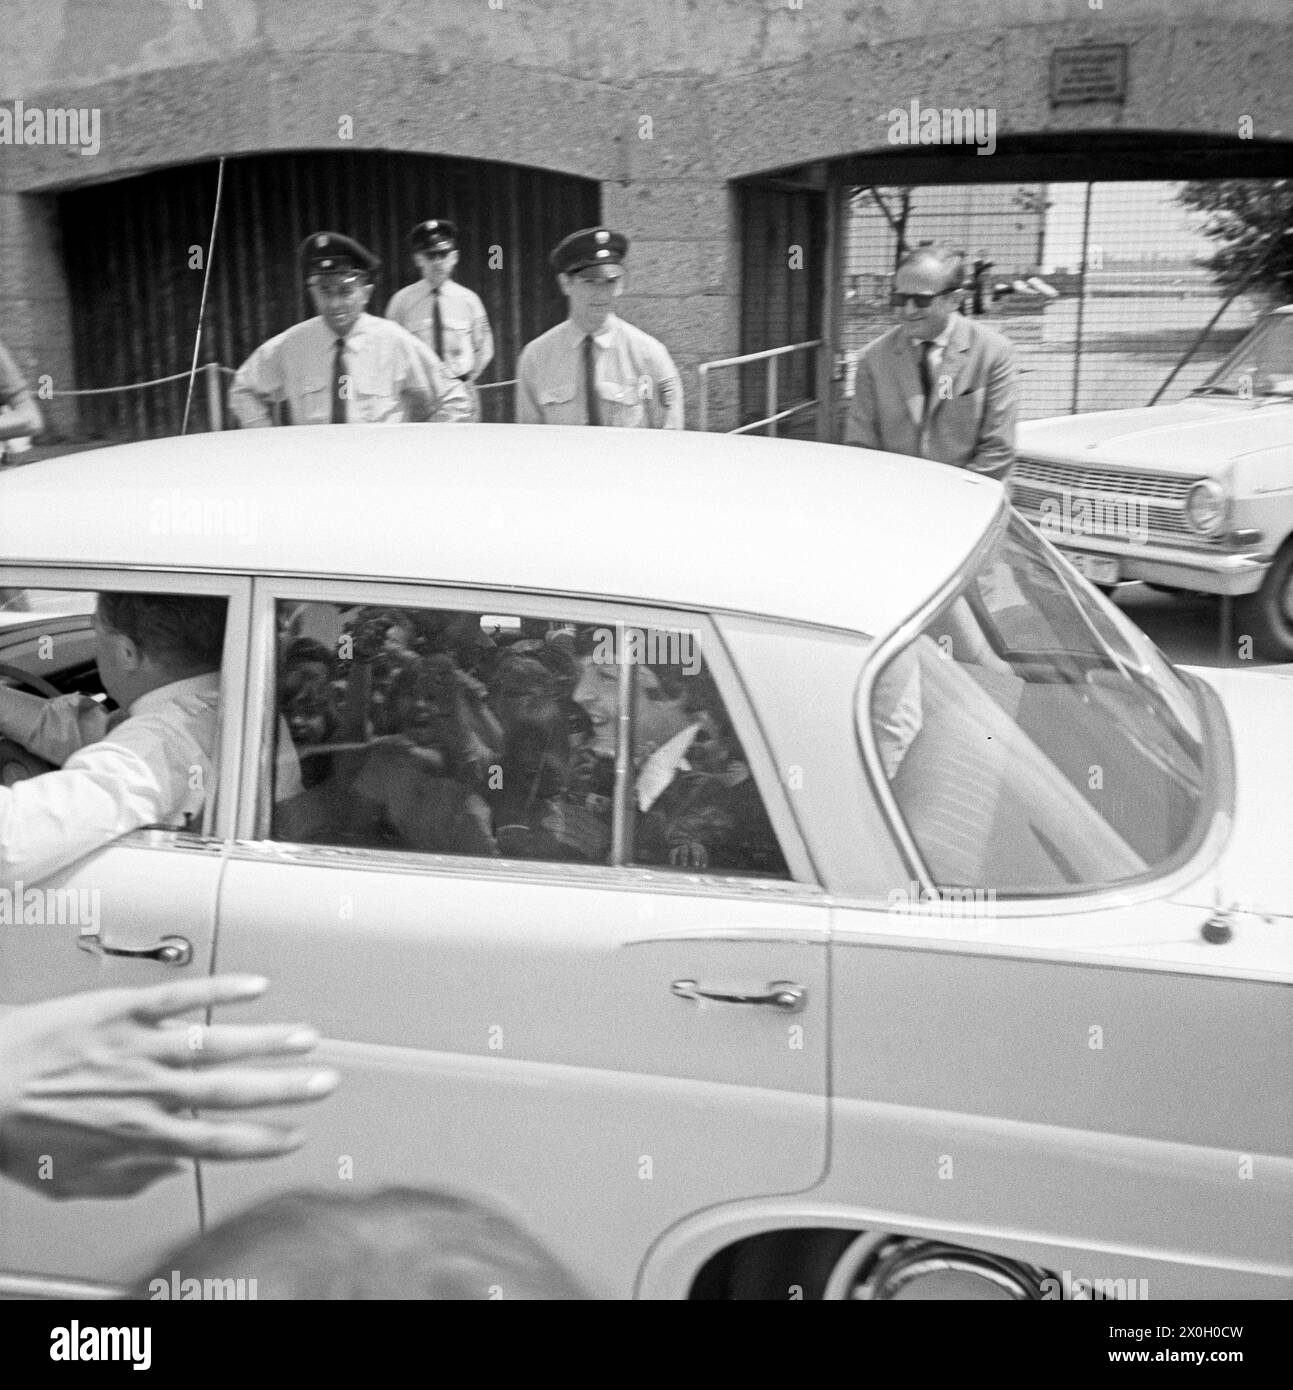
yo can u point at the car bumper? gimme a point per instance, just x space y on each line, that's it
1205 572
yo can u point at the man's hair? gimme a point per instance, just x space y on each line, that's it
180 631
399 1243
302 651
945 258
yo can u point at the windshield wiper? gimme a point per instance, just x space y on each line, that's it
1214 391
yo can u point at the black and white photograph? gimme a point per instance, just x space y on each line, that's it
646 653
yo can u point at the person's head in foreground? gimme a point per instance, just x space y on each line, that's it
399 1243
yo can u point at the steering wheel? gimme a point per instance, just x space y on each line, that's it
36 683
16 763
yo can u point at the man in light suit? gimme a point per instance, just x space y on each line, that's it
938 385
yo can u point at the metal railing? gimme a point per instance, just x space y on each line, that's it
772 356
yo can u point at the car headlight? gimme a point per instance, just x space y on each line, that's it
1205 507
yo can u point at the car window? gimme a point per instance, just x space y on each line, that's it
496 735
1262 365
1034 741
48 634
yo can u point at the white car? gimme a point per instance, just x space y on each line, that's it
942 949
1196 496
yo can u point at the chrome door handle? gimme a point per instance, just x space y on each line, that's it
782 994
170 950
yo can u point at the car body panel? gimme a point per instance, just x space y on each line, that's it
512 1034
1195 437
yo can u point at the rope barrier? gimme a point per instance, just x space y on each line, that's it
202 306
140 385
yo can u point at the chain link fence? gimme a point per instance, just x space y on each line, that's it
1097 284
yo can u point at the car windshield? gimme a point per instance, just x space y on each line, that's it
1036 742
1262 365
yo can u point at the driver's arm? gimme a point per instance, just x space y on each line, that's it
52 729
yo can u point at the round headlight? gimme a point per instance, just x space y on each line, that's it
1205 507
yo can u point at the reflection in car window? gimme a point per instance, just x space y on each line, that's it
495 736
1036 742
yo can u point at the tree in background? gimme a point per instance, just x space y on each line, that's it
1252 220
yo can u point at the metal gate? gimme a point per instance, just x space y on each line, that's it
134 252
1097 284
783 249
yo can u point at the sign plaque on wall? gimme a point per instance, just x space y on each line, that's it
1094 72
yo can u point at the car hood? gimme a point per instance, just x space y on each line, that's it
1192 437
1255 871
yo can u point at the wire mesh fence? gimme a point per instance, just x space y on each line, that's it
1098 285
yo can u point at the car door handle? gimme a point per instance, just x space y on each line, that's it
170 950
782 994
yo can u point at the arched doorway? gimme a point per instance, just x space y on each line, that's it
134 251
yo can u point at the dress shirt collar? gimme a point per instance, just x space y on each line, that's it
945 337
602 337
354 337
661 767
207 684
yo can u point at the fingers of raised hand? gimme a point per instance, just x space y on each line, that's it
155 1084
197 1044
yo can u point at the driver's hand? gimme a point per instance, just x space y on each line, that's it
52 728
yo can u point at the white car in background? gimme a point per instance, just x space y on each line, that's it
1195 496
972 976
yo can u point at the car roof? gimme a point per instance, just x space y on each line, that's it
810 532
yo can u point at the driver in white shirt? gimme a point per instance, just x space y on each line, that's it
149 763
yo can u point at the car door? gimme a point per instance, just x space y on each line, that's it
151 885
601 1048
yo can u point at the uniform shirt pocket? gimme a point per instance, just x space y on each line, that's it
560 405
372 393
622 404
314 406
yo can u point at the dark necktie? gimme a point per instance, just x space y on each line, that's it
590 382
927 370
338 378
437 328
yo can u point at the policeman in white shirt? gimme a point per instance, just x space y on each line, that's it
345 366
448 317
149 763
595 369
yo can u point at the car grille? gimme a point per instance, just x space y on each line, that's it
1111 494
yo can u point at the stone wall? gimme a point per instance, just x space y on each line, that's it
663 101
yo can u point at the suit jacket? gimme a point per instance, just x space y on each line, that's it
970 422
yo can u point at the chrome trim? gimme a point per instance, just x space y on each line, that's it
780 994
43 1286
619 877
170 950
1218 495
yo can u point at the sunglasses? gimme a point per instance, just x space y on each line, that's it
921 301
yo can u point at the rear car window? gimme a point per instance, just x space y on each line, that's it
496 735
1034 741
